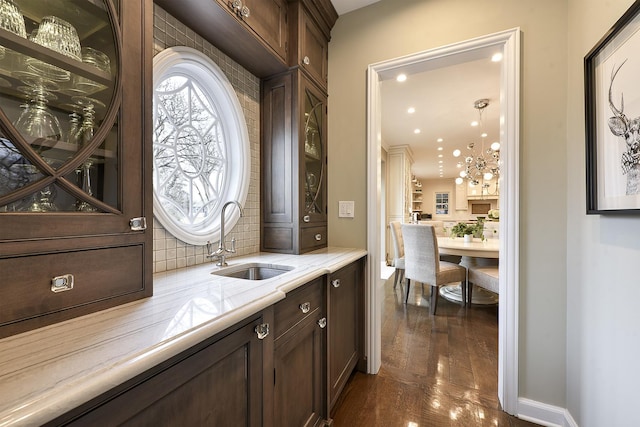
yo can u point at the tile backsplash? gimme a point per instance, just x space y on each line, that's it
169 252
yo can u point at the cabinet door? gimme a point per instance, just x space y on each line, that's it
220 385
266 18
313 49
298 388
344 315
314 148
72 147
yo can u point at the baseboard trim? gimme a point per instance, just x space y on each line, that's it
544 414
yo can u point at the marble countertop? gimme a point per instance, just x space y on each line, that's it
49 371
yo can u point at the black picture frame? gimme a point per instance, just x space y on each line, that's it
612 123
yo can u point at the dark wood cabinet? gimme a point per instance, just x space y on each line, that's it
345 327
299 363
258 41
74 144
266 19
309 41
219 383
294 164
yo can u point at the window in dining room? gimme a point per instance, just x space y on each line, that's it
442 203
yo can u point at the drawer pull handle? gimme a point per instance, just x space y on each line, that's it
262 330
306 60
305 307
306 218
62 283
322 322
318 237
336 283
138 224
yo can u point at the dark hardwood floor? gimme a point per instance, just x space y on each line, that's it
436 370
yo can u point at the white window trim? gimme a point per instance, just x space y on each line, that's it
195 64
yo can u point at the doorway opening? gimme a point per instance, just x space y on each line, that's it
509 43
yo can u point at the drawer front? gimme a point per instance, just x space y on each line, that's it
313 238
98 275
297 306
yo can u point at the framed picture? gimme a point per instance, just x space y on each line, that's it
612 108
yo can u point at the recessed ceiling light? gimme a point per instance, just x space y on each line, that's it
456 153
416 131
440 155
440 148
439 161
439 140
474 123
484 135
401 77
497 57
411 110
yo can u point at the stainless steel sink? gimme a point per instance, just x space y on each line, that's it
253 271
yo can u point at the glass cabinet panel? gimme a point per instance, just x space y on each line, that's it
59 76
313 154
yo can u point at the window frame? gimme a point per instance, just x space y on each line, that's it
443 204
212 81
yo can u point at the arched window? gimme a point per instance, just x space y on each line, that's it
200 146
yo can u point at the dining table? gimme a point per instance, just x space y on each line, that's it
476 252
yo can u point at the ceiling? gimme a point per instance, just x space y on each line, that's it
344 6
443 95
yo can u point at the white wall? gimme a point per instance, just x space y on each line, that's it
392 28
603 285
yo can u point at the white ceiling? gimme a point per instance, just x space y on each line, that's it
443 97
344 6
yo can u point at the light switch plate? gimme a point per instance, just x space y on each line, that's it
346 209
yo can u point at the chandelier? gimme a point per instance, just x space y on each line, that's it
480 166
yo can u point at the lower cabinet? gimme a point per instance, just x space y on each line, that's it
292 376
299 368
220 384
345 316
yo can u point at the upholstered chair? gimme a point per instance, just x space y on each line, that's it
422 263
398 252
486 277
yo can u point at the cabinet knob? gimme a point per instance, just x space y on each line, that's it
262 330
306 60
336 283
305 307
244 12
236 5
322 322
318 237
306 218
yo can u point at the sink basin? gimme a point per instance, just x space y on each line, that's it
253 271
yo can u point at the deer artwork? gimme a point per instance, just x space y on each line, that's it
620 125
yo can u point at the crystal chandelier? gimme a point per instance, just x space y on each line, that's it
480 167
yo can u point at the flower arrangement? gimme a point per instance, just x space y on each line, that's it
494 214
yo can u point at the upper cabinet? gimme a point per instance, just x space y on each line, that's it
265 18
294 162
310 42
252 32
73 140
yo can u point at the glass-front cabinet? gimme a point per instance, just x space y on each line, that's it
294 164
72 144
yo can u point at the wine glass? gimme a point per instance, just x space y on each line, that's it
36 120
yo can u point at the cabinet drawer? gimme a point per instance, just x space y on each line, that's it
289 311
99 275
313 237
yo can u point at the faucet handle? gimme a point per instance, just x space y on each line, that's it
233 245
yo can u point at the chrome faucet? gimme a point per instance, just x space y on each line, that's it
220 253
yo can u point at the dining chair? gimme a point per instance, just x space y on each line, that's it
422 263
484 276
398 252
